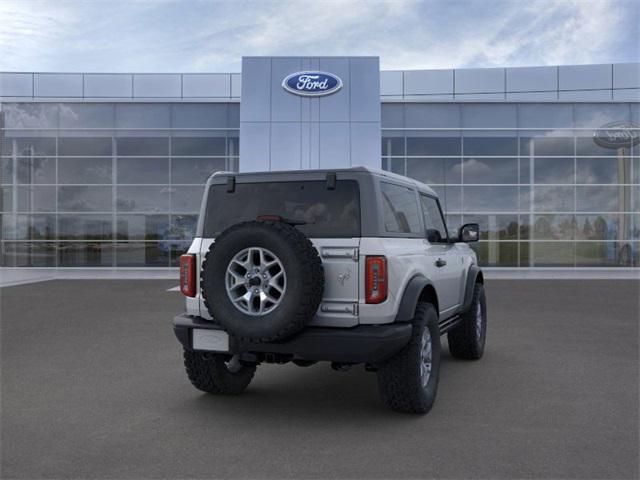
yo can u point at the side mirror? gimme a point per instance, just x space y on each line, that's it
469 232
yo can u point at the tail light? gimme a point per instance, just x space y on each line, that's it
376 279
188 275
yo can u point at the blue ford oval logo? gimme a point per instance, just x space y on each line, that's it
312 84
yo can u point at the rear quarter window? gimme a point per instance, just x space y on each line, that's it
400 209
325 213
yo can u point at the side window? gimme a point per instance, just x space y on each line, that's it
434 223
400 209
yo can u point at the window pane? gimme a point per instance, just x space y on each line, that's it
435 170
400 208
194 170
552 254
603 170
186 199
143 199
490 170
397 165
198 146
30 115
604 226
85 227
175 250
495 227
200 115
419 145
392 115
84 170
184 226
538 115
553 199
392 145
86 254
604 254
28 146
90 115
546 146
143 116
28 227
488 115
433 221
490 146
143 170
27 254
490 199
84 146
143 227
603 199
496 254
6 170
37 199
597 114
142 255
587 146
450 198
554 227
36 170
143 146
432 115
553 170
84 199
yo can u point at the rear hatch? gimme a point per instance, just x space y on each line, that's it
328 213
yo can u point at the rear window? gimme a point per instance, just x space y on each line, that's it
326 213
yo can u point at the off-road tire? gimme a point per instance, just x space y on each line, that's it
305 281
464 341
399 379
209 373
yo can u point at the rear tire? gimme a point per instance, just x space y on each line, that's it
467 339
402 383
211 373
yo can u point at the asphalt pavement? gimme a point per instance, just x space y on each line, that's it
92 386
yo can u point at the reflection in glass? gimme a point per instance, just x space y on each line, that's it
604 254
85 227
142 254
490 146
602 226
552 254
85 254
603 199
546 146
496 254
84 199
28 146
450 198
143 227
420 145
36 170
175 250
435 170
184 226
143 170
393 146
85 170
554 227
490 170
186 199
490 199
553 199
84 146
603 170
28 254
553 170
195 170
143 199
37 199
495 227
198 146
143 146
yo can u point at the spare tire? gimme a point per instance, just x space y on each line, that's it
262 281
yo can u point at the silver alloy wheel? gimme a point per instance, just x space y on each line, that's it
425 357
255 281
479 321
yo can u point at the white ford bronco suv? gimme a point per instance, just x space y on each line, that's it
348 266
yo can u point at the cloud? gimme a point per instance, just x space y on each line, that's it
169 36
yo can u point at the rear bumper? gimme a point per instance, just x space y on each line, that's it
360 344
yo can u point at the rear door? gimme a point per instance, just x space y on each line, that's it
449 266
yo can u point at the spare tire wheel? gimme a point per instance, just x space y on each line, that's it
262 281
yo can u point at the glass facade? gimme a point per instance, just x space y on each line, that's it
120 184
544 193
108 184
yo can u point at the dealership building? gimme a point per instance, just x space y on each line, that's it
108 170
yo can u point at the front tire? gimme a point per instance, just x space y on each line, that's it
467 339
217 373
408 382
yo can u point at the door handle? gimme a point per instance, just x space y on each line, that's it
440 263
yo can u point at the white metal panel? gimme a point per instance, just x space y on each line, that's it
103 85
206 85
626 75
156 85
391 83
427 82
479 80
585 77
57 85
16 84
532 79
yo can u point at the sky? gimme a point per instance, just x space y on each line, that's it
212 36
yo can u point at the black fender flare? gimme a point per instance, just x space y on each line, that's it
410 298
472 277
